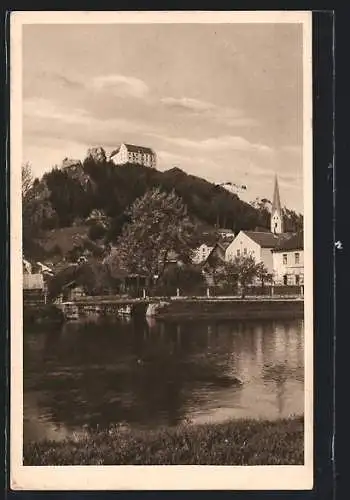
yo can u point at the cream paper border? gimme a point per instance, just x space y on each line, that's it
150 477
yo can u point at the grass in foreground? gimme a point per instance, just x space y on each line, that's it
242 442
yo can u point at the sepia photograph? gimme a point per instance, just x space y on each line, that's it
161 250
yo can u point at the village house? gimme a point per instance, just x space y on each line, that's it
256 244
34 287
214 261
217 255
72 291
201 253
288 261
129 153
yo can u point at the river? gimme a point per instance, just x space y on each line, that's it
147 374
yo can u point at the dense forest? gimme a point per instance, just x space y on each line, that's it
68 196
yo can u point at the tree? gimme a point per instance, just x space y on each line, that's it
243 270
27 180
158 225
264 208
37 211
70 197
292 221
187 278
93 277
96 231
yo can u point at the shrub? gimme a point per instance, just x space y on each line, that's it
56 250
96 232
187 278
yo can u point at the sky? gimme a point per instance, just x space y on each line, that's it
221 101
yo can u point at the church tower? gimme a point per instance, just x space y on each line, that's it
276 211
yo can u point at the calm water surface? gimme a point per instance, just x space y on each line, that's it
148 374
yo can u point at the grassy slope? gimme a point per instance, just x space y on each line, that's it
65 238
243 442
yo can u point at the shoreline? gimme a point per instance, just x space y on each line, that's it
235 442
240 309
186 309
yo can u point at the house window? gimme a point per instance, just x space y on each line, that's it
297 279
245 251
285 279
238 253
297 258
284 259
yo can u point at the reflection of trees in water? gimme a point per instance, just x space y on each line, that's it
101 374
143 372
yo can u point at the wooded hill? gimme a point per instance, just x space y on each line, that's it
67 197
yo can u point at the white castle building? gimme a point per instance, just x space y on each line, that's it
130 153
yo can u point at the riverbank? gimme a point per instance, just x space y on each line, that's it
173 309
43 314
232 308
237 442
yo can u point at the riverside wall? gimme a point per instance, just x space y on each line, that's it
232 309
172 309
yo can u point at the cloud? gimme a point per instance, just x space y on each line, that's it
224 115
217 144
48 117
121 85
187 104
46 121
38 107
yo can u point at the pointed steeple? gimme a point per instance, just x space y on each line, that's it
276 211
276 203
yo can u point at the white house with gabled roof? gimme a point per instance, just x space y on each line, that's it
257 244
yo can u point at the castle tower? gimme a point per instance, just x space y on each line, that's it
276 211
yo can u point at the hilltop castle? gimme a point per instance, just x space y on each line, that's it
129 153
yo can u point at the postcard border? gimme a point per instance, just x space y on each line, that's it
296 477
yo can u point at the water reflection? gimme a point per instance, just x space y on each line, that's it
146 373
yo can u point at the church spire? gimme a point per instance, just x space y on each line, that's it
276 211
276 204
